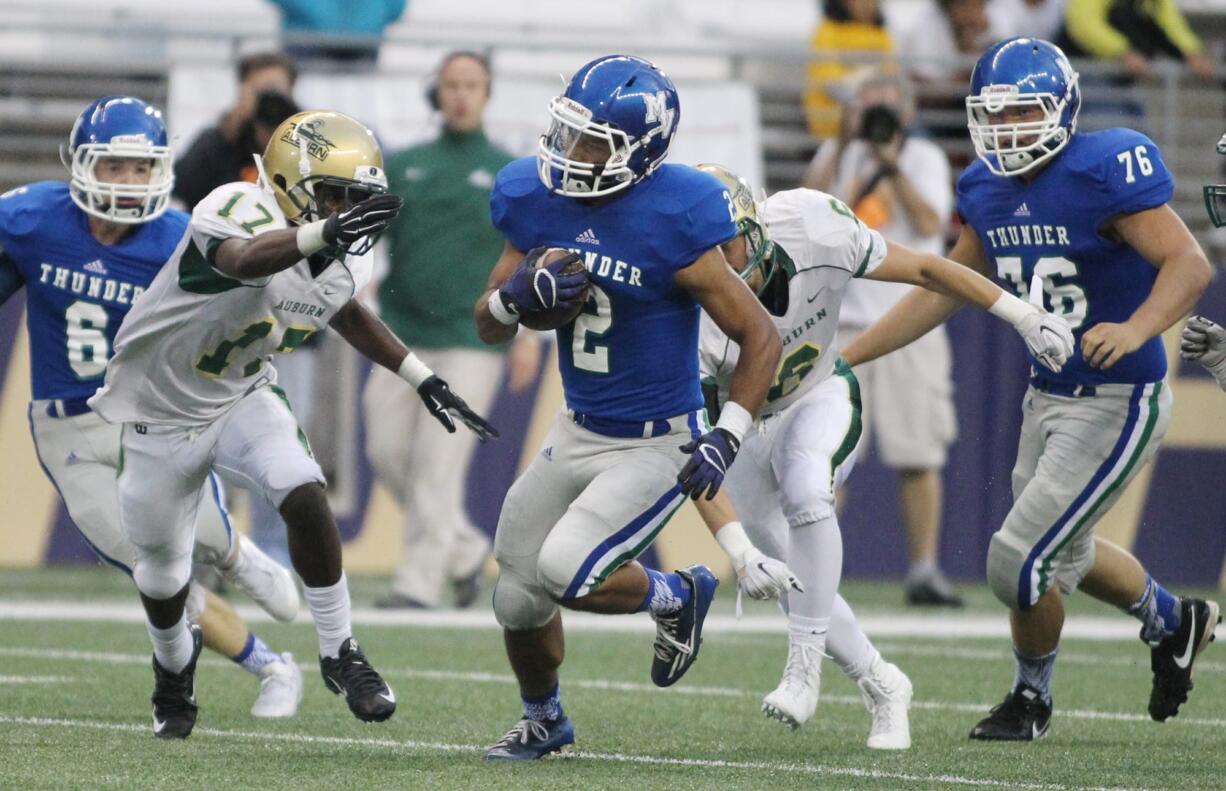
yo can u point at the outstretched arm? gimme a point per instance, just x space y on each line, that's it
367 333
918 313
758 575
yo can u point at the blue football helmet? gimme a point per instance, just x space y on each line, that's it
120 127
610 129
1013 76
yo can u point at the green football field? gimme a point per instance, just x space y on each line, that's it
75 681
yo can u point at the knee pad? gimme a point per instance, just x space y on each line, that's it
520 605
808 504
1005 561
161 576
195 604
554 572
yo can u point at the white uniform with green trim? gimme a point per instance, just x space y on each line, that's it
191 381
804 445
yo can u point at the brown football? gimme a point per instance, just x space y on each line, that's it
551 320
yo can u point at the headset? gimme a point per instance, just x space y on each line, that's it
432 84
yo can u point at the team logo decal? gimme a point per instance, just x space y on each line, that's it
317 145
658 111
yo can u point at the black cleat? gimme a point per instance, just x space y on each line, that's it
932 591
1021 717
174 695
350 674
468 588
1172 659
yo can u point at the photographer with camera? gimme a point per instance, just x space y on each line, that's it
899 184
222 154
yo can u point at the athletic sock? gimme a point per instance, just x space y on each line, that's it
808 631
667 593
255 655
921 570
1158 610
173 646
1035 672
330 609
815 554
545 708
847 643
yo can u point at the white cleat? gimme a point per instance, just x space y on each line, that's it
280 689
886 691
268 583
794 701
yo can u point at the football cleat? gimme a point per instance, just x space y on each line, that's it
679 636
886 692
794 701
1173 658
174 695
468 588
531 739
399 601
932 591
266 582
1021 717
280 689
350 674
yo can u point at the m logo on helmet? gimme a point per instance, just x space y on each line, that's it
318 146
658 111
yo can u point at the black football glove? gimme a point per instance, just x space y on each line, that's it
710 457
532 290
444 405
371 216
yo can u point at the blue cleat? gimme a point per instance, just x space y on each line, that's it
532 739
679 636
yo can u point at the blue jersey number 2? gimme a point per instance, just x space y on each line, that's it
589 328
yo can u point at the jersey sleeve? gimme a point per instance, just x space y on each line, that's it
1128 174
234 211
704 224
712 350
509 209
835 237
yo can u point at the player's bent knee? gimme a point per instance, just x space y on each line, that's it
519 605
162 577
1005 561
556 569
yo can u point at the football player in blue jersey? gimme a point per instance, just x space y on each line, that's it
610 474
1081 220
85 251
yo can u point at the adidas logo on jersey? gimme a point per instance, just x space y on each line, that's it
587 237
96 266
548 453
1022 211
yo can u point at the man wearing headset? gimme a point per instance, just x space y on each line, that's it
439 249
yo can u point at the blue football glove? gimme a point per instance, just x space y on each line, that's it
710 457
532 290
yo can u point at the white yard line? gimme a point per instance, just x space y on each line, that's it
36 679
604 685
876 625
624 758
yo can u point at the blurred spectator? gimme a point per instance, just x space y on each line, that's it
358 27
441 247
847 26
943 33
222 154
900 185
1034 18
1133 32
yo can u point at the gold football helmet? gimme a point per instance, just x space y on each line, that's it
746 212
321 149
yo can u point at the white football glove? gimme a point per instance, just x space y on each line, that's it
1048 337
764 577
1204 343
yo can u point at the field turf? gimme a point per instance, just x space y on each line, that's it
74 709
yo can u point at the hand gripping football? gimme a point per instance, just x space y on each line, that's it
563 314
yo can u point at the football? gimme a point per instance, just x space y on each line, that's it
551 320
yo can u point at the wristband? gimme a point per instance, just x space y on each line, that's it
499 310
414 371
735 543
311 238
1010 308
734 419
